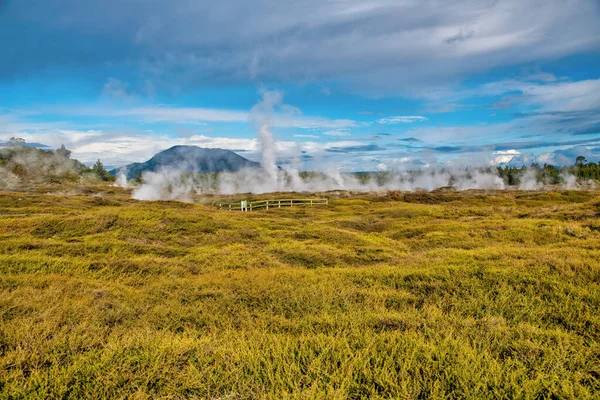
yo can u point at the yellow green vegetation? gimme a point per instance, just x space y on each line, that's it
418 295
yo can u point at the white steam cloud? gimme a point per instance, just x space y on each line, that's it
570 181
165 185
175 185
529 181
261 115
8 180
121 179
171 184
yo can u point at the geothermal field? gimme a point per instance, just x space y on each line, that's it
272 282
389 294
316 199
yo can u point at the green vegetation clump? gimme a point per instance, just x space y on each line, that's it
448 295
101 173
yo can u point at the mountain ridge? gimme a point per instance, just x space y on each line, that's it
192 159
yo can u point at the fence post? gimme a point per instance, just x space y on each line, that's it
267 204
279 202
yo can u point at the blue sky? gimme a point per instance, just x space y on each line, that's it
352 85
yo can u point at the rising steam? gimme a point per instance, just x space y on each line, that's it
175 185
261 115
121 179
529 181
169 184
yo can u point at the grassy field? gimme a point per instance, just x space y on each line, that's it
423 295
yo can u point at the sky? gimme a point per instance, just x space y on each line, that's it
349 84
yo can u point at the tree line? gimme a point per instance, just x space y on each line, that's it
550 174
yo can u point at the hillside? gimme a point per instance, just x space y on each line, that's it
32 165
427 295
190 159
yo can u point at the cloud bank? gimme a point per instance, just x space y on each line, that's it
376 47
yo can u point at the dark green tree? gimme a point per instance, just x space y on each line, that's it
511 178
99 170
63 151
138 178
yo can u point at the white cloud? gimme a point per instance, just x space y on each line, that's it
546 158
550 96
401 119
307 136
503 157
383 46
337 132
285 117
120 148
568 155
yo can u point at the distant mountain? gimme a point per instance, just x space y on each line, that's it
190 159
27 144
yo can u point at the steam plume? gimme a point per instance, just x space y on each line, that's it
261 115
176 185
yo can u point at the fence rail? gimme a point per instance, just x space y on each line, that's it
266 204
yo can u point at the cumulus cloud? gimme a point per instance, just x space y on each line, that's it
567 156
504 157
559 157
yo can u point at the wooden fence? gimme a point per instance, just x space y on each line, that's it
266 204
